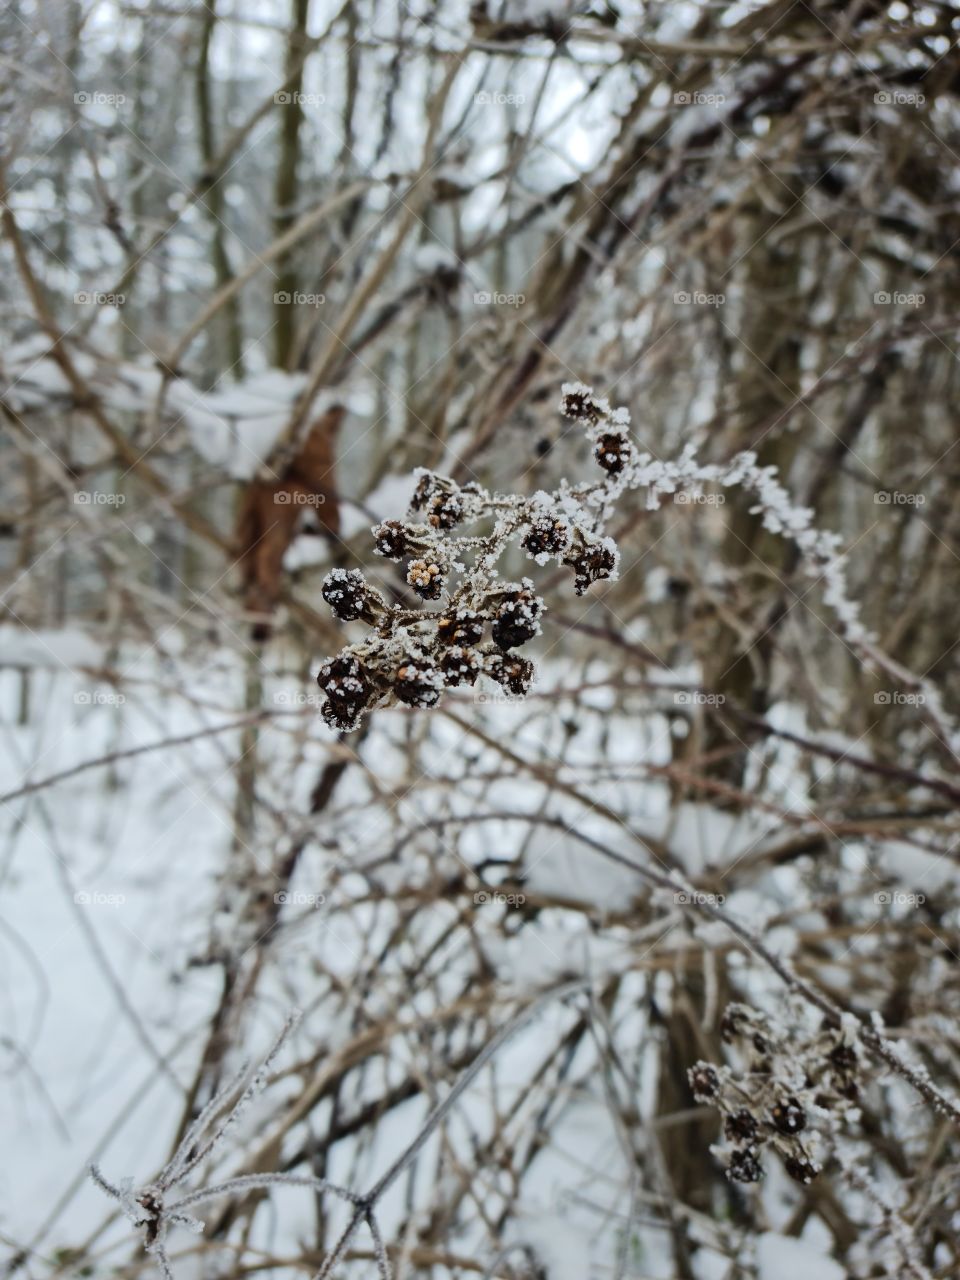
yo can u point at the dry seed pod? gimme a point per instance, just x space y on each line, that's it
419 684
391 540
426 578
461 665
744 1166
517 621
547 536
462 628
344 681
612 451
345 591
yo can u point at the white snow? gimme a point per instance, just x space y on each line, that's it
784 1258
68 648
234 425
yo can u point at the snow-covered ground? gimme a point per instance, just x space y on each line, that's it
119 879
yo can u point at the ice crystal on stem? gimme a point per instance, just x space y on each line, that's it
151 1210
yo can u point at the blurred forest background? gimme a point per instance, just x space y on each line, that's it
259 263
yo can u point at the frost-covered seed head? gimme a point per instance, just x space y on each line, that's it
390 540
512 673
463 628
440 500
345 591
445 510
741 1126
704 1081
517 620
461 665
593 563
426 579
788 1116
348 690
744 1166
427 486
419 685
579 402
801 1169
612 451
547 536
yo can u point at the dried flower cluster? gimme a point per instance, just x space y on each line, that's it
414 654
791 1094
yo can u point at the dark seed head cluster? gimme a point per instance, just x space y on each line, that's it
412 652
792 1094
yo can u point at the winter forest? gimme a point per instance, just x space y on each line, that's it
479 699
